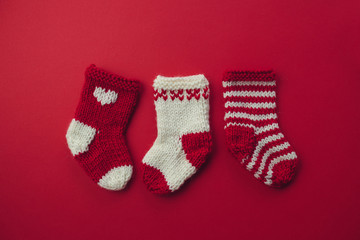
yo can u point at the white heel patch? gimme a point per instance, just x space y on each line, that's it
79 136
105 97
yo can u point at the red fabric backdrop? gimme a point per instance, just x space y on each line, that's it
45 47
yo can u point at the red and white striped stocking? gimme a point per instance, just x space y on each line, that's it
252 130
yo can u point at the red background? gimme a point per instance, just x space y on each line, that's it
313 46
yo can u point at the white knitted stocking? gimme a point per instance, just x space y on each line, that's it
184 140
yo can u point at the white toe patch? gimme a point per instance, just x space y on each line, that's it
105 97
116 178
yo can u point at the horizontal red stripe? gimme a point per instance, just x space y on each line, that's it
251 110
250 88
248 121
251 99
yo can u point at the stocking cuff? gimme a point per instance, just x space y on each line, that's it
267 75
176 83
94 73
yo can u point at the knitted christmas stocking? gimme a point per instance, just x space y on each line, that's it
96 134
252 130
184 140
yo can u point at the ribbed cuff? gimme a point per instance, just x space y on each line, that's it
96 74
175 83
267 75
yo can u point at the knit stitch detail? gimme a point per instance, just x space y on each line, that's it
114 80
258 75
176 83
182 94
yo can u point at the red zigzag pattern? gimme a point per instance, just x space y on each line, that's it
180 94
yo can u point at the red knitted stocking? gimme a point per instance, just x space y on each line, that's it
96 134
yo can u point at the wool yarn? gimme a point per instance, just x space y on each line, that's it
252 131
96 136
183 139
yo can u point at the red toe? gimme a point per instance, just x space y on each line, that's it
283 173
155 180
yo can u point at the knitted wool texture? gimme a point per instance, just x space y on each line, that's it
252 130
183 140
96 134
